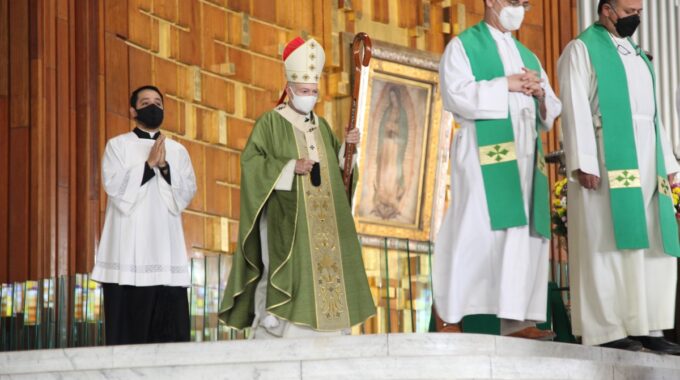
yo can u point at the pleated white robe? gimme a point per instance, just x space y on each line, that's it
614 293
142 242
477 270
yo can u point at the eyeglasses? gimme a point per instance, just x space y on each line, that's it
518 3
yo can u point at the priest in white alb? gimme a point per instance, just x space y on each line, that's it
142 258
623 237
491 253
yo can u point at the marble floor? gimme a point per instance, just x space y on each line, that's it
394 356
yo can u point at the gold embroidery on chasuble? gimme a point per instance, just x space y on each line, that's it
329 284
330 298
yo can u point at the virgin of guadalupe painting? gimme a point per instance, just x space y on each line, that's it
404 148
399 128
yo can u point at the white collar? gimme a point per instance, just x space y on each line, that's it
497 34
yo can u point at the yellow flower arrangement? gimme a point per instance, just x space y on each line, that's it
559 203
675 190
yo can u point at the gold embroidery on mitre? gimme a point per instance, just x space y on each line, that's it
497 153
622 179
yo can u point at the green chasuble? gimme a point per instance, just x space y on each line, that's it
496 143
620 154
316 271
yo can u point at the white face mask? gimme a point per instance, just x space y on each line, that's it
304 104
511 17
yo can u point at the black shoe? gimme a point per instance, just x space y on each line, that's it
624 344
658 344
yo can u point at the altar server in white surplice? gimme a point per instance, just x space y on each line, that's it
142 260
479 267
622 229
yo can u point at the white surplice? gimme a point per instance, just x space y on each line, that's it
614 293
477 270
142 243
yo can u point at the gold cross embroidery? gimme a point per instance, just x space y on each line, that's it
497 153
627 178
664 187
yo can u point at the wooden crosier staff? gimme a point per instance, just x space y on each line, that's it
361 50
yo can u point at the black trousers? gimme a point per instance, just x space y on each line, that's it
145 314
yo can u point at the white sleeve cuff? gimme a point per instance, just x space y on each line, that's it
672 166
341 157
585 163
133 184
285 182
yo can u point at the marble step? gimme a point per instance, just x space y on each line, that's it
394 356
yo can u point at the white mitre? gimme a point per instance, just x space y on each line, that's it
303 60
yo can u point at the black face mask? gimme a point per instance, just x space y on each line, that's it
151 116
626 26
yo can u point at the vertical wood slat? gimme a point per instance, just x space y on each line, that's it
37 142
435 35
18 204
4 139
87 136
408 13
381 12
71 153
51 132
4 48
4 187
62 92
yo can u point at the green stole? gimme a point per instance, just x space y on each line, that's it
496 144
620 154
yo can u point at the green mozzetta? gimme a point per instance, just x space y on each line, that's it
293 291
496 143
620 155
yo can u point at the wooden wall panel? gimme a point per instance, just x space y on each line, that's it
49 133
19 222
4 138
19 63
4 187
266 10
4 47
36 214
381 12
87 159
19 137
116 17
117 95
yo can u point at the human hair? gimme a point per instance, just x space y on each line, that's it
602 3
135 94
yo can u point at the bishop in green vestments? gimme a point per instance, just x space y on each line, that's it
298 269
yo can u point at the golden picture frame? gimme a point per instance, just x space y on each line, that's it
403 157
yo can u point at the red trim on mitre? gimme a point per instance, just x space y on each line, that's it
292 45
